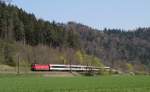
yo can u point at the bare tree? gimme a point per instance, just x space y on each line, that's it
70 54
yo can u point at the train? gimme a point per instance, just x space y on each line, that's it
64 67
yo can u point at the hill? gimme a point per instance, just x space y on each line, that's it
117 48
38 41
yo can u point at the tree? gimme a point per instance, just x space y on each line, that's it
19 30
80 57
8 55
73 39
129 67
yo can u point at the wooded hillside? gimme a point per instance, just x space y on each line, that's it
39 41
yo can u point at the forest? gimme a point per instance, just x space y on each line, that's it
36 40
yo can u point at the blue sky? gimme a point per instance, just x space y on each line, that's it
124 14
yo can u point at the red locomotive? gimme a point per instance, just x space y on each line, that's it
40 67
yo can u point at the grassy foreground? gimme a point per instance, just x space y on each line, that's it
35 83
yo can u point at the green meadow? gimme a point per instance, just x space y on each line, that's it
38 83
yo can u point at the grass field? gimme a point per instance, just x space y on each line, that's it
37 83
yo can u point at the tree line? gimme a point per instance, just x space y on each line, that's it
117 48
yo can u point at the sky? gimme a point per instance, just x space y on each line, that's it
123 14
